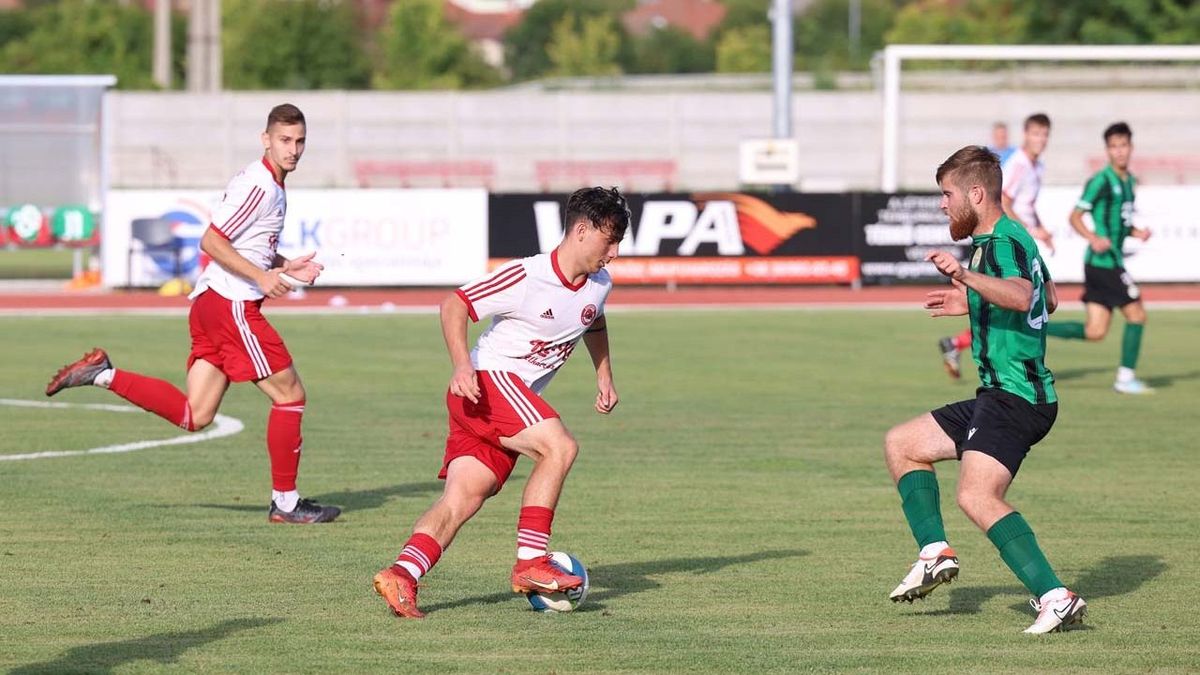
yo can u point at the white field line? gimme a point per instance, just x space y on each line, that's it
223 425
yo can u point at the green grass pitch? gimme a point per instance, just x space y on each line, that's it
734 511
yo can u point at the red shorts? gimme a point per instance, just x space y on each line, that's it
506 407
234 336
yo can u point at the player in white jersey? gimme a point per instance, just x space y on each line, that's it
541 307
231 340
1023 172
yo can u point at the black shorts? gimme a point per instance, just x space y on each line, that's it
1111 287
1001 425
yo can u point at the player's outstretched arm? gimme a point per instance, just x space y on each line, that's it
1012 293
227 256
463 381
596 339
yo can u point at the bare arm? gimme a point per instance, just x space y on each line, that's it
1051 297
596 339
454 316
226 255
1013 293
1096 242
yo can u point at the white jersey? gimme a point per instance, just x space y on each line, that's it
250 216
1022 182
538 316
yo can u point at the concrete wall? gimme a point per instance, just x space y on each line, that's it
199 140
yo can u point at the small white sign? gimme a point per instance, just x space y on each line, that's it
769 161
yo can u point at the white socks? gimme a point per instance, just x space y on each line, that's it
1053 594
412 569
286 501
931 550
1124 374
104 379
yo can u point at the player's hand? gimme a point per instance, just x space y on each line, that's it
947 302
607 398
271 285
946 264
1100 244
464 383
1043 235
1139 233
304 268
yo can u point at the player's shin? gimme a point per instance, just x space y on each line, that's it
1069 330
1019 549
284 445
1131 345
922 506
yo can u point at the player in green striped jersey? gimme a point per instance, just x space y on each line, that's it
1009 297
1108 196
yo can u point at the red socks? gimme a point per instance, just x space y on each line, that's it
962 341
533 531
284 443
420 554
153 395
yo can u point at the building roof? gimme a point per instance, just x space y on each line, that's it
482 25
696 17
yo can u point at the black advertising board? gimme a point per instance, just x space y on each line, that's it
896 232
701 237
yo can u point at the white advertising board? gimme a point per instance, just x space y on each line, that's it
363 237
1168 211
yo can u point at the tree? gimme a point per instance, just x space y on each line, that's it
670 50
526 44
961 22
292 44
85 37
420 49
582 46
823 34
745 50
1128 22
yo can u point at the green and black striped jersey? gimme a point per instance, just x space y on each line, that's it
1010 347
1109 198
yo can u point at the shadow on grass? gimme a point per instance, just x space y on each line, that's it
1112 576
609 582
1165 381
349 500
162 648
1064 374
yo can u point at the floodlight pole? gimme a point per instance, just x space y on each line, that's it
781 52
162 43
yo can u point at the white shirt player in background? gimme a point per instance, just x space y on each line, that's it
541 307
1023 172
231 340
1022 181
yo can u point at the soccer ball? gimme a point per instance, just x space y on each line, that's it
565 601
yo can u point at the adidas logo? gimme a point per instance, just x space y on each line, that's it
548 314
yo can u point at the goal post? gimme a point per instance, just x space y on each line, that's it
894 57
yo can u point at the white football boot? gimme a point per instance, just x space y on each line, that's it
1055 615
1134 386
927 574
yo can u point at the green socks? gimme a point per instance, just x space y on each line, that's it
1131 344
1019 550
921 499
1071 330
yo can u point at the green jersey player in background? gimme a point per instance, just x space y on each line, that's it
1009 297
1108 196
